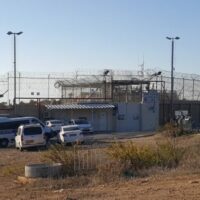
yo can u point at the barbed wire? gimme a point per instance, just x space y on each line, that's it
42 85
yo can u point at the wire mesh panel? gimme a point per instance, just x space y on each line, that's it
88 159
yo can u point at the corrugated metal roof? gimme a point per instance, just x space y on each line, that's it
79 106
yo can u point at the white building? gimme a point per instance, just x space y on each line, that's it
113 117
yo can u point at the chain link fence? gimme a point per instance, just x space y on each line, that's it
42 85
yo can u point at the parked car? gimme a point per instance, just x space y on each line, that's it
30 135
70 134
83 125
55 125
9 126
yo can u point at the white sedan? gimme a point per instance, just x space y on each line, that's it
70 134
55 125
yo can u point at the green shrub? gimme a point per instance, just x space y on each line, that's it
121 159
75 160
169 154
135 158
130 154
63 155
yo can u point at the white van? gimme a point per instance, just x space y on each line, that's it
31 135
9 126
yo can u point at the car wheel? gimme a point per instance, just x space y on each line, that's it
74 143
47 144
43 147
20 148
4 143
63 144
83 142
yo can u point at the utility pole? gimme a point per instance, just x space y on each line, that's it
172 77
15 88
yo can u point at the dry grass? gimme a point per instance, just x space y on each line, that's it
12 170
76 160
133 159
191 159
61 154
125 159
110 178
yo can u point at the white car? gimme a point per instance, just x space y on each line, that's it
83 125
9 126
70 134
30 135
55 125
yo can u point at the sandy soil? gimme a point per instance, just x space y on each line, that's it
160 187
167 185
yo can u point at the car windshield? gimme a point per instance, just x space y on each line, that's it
32 131
70 128
81 121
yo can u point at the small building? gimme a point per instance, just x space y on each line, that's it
107 117
99 115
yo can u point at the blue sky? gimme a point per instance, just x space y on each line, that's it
69 35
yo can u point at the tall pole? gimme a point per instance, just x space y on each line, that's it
172 77
106 71
48 84
15 92
172 81
8 90
15 83
105 89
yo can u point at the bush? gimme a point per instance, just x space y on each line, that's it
130 154
169 154
75 160
63 155
191 159
172 130
121 159
136 158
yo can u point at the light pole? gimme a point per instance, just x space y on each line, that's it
105 73
14 34
172 76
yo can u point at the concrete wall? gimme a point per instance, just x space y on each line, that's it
128 117
150 111
139 117
150 118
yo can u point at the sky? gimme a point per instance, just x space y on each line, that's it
69 35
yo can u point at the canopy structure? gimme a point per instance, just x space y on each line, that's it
80 106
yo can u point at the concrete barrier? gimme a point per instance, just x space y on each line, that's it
43 170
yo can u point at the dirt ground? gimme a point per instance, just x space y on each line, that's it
167 185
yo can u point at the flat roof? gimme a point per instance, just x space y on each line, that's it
79 106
